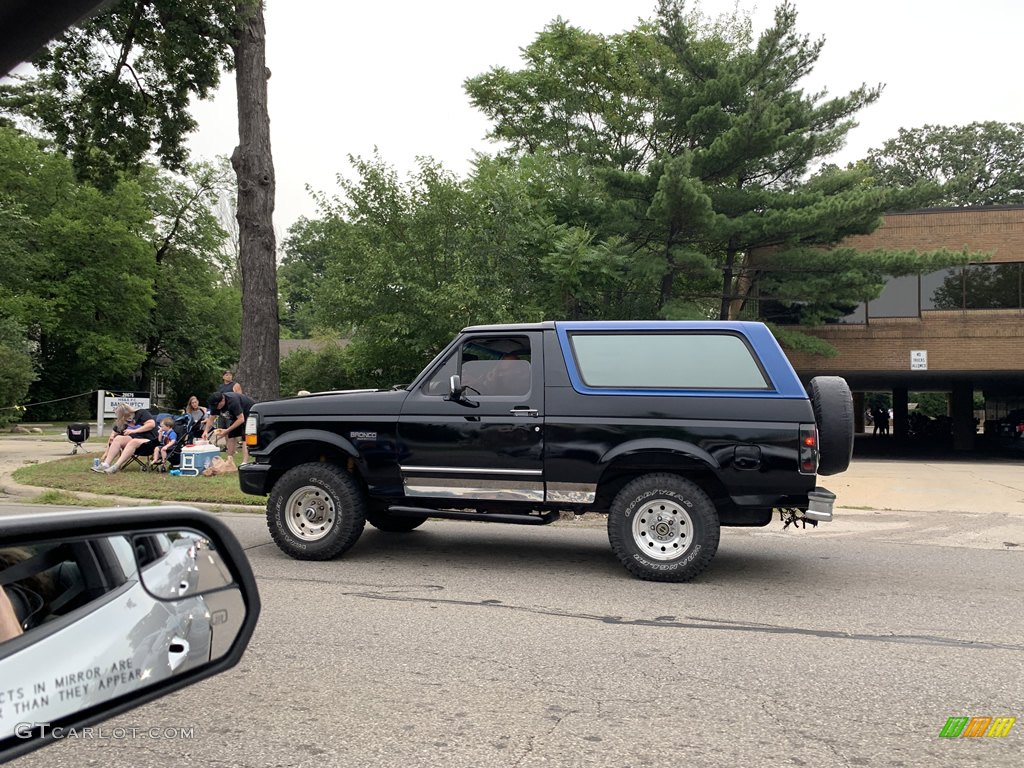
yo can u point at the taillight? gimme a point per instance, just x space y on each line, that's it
808 449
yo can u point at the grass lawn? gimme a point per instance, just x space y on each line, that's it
73 474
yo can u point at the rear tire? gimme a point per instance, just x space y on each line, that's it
663 528
833 412
388 523
315 512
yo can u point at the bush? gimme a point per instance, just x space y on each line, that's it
315 370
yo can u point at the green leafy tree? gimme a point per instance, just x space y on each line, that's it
977 164
316 370
399 266
196 318
79 280
118 87
16 369
109 284
699 141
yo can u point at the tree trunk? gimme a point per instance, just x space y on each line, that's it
258 365
727 288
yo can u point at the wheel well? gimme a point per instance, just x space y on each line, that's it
627 468
305 452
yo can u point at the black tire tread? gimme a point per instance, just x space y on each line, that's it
833 413
702 512
348 524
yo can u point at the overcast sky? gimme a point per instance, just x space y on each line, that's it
349 76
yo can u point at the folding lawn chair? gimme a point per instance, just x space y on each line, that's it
143 452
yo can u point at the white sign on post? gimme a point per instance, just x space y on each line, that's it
919 359
106 402
136 400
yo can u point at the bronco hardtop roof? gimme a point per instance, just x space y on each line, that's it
614 325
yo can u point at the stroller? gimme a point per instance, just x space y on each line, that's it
188 430
77 435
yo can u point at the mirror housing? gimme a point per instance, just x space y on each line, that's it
455 388
457 392
121 645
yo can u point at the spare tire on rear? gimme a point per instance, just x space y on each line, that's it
833 412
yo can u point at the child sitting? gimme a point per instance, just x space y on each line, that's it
168 437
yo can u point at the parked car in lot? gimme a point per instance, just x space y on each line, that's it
1012 425
672 429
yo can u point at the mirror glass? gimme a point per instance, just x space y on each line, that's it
87 620
178 564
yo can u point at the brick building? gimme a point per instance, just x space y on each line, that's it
967 321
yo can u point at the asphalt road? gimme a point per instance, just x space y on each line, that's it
466 644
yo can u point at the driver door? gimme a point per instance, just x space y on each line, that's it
488 445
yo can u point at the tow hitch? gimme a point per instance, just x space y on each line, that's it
796 518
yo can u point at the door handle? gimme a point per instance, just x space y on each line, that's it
524 410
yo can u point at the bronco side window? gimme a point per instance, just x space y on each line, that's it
684 360
489 366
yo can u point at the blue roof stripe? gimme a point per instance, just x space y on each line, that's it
776 365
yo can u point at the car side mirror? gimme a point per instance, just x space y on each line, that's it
102 611
455 388
457 392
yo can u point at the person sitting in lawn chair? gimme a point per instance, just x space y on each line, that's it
139 433
168 437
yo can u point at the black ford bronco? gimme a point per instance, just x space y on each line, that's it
671 428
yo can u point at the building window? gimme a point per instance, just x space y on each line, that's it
899 298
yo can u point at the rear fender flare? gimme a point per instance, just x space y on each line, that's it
661 446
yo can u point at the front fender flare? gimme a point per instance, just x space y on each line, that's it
313 436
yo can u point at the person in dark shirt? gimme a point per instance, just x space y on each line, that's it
229 385
141 429
235 407
229 382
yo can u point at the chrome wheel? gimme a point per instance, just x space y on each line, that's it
662 529
310 513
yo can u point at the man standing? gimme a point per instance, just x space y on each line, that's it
235 408
229 383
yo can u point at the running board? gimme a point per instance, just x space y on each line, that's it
484 517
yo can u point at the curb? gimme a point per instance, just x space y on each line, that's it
11 488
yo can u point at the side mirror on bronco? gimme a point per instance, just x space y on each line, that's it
457 392
455 388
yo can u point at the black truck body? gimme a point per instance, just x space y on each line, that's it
523 423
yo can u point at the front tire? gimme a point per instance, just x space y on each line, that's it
315 512
663 528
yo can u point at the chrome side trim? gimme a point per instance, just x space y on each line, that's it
469 471
571 493
493 490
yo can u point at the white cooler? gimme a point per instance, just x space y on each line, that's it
196 458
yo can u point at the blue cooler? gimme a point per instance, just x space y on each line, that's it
196 458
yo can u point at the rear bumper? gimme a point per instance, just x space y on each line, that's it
254 478
819 505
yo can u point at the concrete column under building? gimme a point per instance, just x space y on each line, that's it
962 410
900 401
858 412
